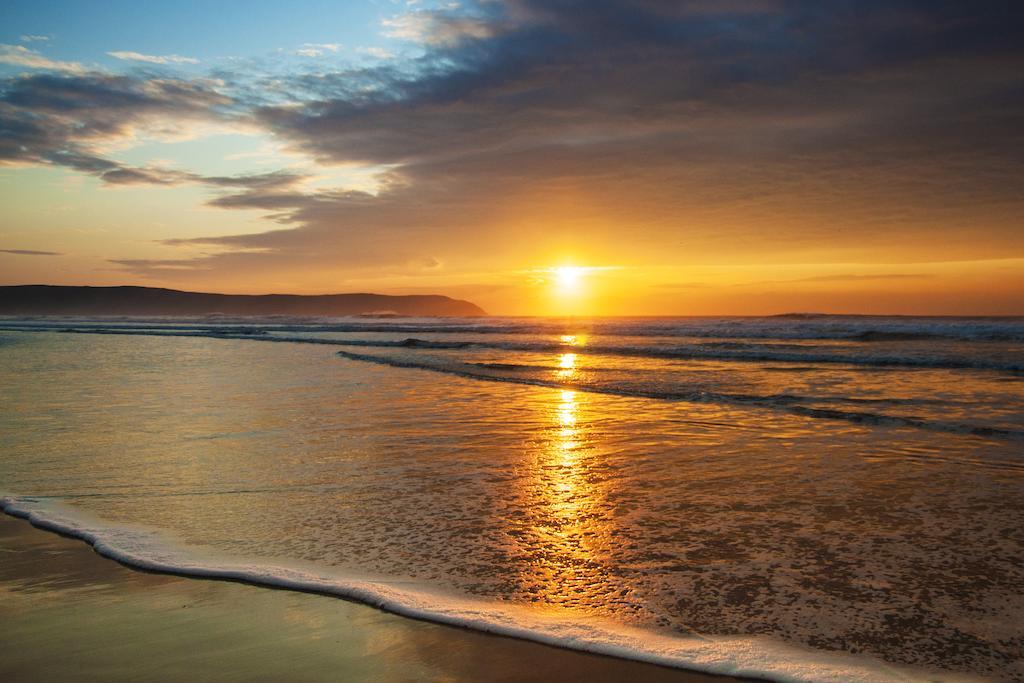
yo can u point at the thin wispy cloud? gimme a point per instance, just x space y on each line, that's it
30 252
19 55
317 49
29 38
152 59
843 278
376 52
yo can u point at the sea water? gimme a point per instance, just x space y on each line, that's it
799 497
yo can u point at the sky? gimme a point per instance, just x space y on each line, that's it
537 157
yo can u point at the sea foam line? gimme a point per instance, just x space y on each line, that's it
758 657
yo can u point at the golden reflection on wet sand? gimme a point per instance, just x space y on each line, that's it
565 450
570 533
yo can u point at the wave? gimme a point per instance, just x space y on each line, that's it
722 350
868 329
889 335
791 404
784 353
797 405
731 351
758 657
516 367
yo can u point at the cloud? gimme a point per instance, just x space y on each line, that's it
376 52
722 122
437 27
846 278
556 80
681 285
19 55
317 49
29 38
275 180
30 252
63 119
153 59
756 129
158 267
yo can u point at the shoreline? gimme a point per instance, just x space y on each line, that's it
61 594
735 658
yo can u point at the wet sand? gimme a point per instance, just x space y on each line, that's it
69 614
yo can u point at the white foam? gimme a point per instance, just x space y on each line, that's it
739 656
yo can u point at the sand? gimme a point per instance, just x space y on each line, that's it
68 614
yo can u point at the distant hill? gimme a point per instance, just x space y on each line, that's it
145 301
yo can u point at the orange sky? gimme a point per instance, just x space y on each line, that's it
746 158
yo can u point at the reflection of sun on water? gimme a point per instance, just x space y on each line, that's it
567 410
568 530
567 434
566 503
566 366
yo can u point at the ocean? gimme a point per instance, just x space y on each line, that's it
797 497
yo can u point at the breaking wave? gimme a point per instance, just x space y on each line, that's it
797 405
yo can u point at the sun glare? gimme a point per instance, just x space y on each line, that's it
567 278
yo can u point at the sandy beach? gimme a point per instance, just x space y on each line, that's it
70 614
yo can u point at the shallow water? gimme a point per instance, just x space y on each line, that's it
838 484
70 615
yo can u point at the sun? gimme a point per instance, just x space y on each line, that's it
567 278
